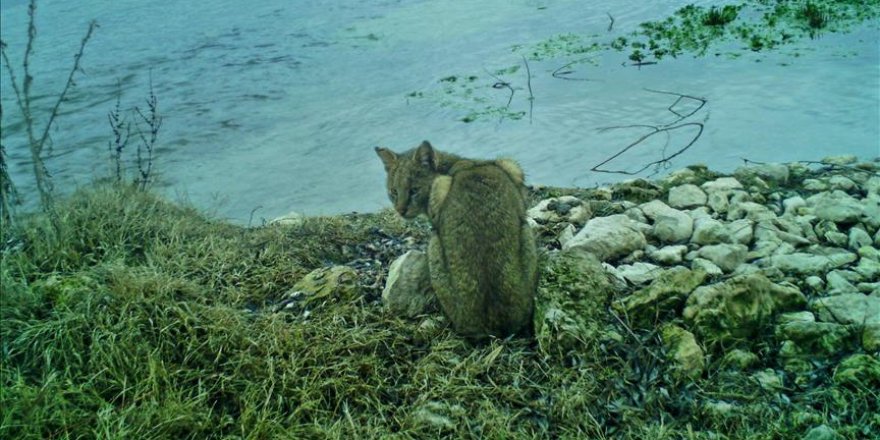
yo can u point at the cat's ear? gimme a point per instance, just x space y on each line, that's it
389 158
427 156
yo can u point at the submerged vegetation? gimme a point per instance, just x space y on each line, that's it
750 25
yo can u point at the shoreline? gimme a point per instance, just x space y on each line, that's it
146 318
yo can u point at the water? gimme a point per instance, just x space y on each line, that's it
275 106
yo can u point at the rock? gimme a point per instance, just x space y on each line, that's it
741 231
836 206
838 283
871 211
686 196
408 290
558 209
726 256
328 283
802 316
872 185
835 238
814 338
841 183
670 225
566 235
822 432
663 296
739 359
850 308
807 231
769 379
683 350
718 201
823 227
710 231
815 283
842 160
871 338
668 255
707 266
289 219
793 205
636 215
868 268
869 252
734 309
872 289
769 171
763 249
573 291
808 264
608 238
638 272
861 371
755 212
814 185
721 184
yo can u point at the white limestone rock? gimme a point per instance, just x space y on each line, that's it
670 225
726 256
639 273
852 308
668 255
707 266
686 196
836 206
808 264
721 184
710 231
793 204
718 201
408 290
858 238
608 238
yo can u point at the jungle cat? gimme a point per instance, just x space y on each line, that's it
482 257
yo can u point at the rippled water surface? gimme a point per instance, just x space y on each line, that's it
275 106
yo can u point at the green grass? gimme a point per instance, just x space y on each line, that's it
144 319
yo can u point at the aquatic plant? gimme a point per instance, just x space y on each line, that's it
720 17
815 16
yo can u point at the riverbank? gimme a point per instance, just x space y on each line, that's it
740 306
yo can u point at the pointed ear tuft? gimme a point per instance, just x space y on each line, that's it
389 158
426 156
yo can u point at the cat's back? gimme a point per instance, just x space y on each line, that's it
483 194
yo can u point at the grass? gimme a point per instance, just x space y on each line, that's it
144 319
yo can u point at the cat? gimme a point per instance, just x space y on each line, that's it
482 256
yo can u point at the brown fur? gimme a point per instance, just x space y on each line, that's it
482 255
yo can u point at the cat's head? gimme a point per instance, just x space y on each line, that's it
410 175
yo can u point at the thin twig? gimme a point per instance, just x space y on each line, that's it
558 74
529 83
610 25
645 137
499 83
70 82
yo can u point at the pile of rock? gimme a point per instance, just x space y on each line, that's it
781 245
